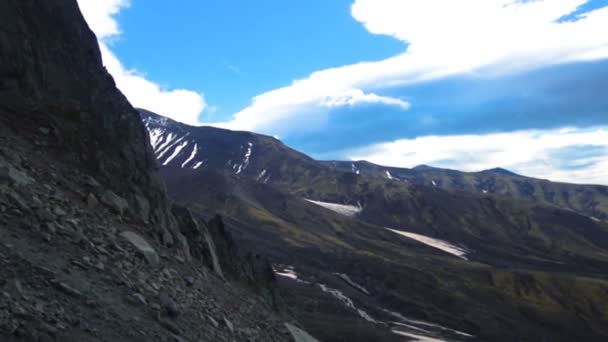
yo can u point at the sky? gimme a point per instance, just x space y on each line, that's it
467 84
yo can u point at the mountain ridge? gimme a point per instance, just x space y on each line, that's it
446 253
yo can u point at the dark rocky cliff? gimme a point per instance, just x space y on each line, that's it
91 248
51 75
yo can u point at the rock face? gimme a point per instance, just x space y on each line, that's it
115 202
299 335
52 76
142 246
81 201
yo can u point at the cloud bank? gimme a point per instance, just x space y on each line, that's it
567 154
179 104
443 38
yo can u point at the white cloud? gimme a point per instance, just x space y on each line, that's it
445 37
534 153
179 104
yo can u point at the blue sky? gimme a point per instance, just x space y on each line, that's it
467 84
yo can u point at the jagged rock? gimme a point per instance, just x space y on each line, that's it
17 200
11 176
67 289
190 280
229 324
45 215
92 201
11 155
59 212
142 246
115 202
139 298
213 321
142 208
169 305
90 181
170 326
299 335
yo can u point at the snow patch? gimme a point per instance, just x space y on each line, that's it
348 302
245 163
177 150
288 273
350 282
197 165
194 150
421 327
434 183
354 168
484 191
346 210
388 175
416 338
435 243
261 175
595 219
162 151
167 141
155 136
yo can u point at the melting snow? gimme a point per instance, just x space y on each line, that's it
261 175
194 150
417 338
347 210
243 166
177 150
421 327
348 302
161 151
388 175
155 136
436 243
167 141
197 165
289 273
350 282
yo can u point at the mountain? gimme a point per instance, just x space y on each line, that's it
590 200
363 255
91 247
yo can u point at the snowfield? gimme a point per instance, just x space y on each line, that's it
435 243
346 210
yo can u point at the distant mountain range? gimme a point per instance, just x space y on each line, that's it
366 252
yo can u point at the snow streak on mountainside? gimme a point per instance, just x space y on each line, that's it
346 210
435 243
167 145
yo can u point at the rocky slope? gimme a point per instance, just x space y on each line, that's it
91 248
455 265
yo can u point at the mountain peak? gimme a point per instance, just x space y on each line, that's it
502 171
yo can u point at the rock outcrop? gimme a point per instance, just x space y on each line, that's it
55 91
91 249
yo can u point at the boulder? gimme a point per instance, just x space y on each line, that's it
115 202
92 201
299 335
11 176
142 247
169 305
